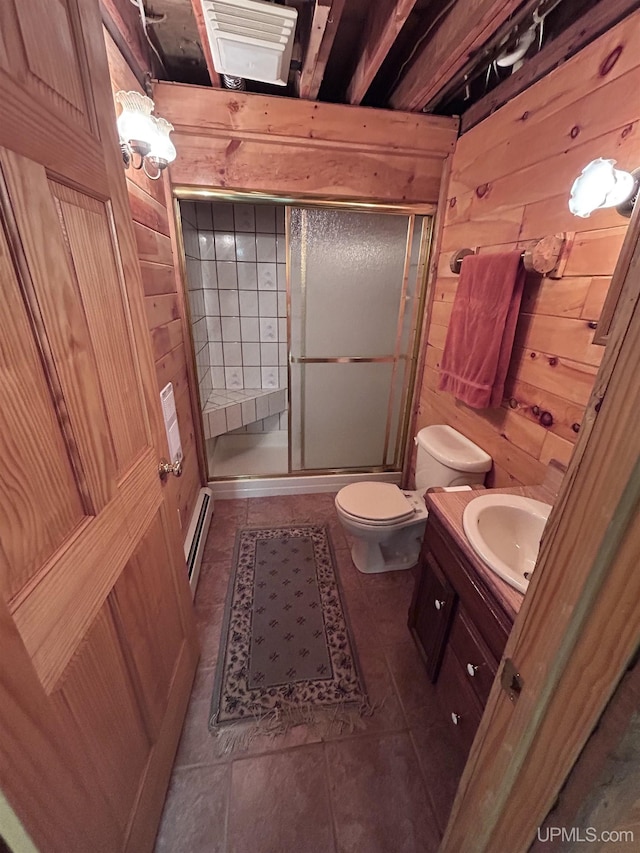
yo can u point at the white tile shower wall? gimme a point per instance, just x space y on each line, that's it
236 276
249 286
196 294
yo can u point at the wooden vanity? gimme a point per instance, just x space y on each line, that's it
461 613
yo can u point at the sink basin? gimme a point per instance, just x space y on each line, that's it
505 532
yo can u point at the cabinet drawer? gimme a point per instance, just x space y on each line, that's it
479 665
430 613
458 700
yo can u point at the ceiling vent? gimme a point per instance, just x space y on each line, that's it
250 39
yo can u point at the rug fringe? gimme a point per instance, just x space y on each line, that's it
324 722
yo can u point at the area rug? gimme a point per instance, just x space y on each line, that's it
286 654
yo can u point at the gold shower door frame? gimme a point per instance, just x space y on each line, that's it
427 211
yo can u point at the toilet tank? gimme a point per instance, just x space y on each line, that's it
447 458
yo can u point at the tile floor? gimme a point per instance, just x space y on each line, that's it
385 789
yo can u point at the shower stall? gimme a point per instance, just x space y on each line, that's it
305 323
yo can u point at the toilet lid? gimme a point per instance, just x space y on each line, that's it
374 502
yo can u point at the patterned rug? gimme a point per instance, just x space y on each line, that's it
286 656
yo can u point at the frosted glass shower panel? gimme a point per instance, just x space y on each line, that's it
347 271
343 415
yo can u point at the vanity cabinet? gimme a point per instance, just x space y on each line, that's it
459 628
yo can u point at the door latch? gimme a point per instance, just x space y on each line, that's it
165 468
511 680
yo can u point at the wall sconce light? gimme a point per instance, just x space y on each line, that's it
599 185
143 135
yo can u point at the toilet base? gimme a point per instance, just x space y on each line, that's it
373 557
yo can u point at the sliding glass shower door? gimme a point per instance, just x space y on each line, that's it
355 286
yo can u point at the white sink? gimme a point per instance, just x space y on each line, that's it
505 532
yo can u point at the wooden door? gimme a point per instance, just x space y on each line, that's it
96 627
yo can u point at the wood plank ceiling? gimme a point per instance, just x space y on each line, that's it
432 55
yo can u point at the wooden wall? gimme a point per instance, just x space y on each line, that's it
509 186
241 141
150 210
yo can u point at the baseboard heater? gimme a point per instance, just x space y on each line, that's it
197 536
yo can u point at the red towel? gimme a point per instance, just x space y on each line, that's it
482 328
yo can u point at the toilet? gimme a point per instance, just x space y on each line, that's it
386 522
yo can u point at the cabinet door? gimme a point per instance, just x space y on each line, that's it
431 611
478 663
458 700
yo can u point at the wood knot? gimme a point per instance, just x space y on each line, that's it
234 107
532 355
233 146
453 201
524 116
575 130
546 419
553 361
482 190
611 60
626 130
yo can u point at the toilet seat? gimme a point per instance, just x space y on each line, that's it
375 504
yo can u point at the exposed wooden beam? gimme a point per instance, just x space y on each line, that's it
384 22
317 56
122 20
198 14
466 28
585 30
319 21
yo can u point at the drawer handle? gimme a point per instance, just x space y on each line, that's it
455 718
439 604
471 669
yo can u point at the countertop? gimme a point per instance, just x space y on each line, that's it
448 508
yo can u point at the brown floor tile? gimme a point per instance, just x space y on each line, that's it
378 797
348 574
400 580
212 586
203 683
279 804
387 715
441 761
233 512
197 746
195 812
276 510
390 609
361 620
416 692
209 634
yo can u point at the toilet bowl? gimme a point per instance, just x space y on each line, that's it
386 523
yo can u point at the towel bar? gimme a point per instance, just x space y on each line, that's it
542 258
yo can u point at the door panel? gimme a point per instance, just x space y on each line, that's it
51 71
96 623
41 505
87 229
143 602
97 700
61 327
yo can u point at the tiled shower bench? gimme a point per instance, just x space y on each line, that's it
228 410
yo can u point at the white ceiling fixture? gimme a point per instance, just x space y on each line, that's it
250 39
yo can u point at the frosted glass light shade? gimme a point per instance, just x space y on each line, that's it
135 123
162 148
600 185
